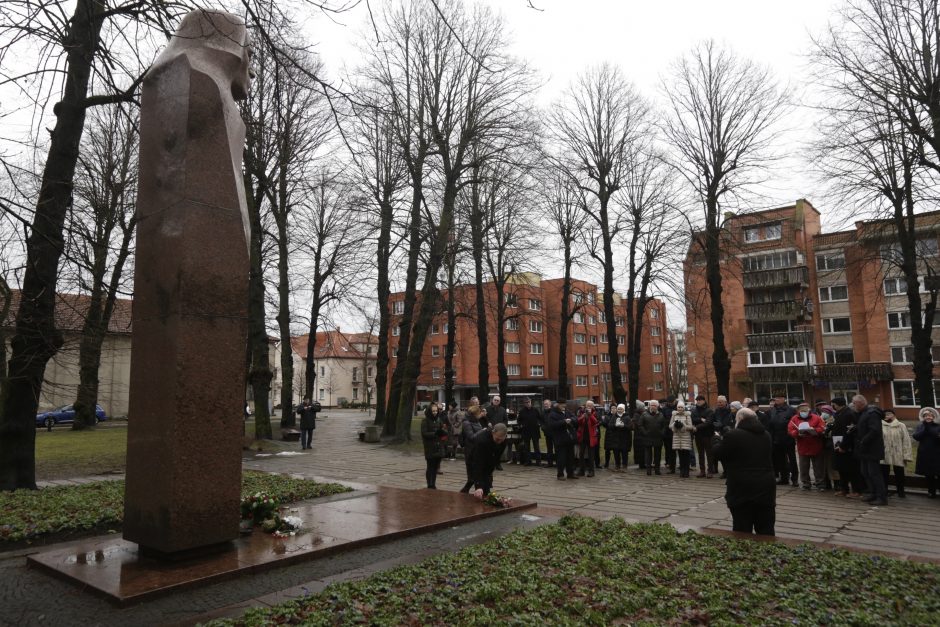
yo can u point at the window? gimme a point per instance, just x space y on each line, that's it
322 394
654 331
536 349
776 358
446 328
580 338
605 358
899 320
902 354
435 373
603 338
770 261
659 386
355 394
896 285
833 293
762 232
840 356
657 367
593 360
512 370
369 372
657 349
906 396
535 304
594 380
396 330
923 247
593 340
773 326
830 261
580 380
654 313
355 375
511 301
772 231
512 324
765 392
836 325
322 371
580 360
578 318
621 359
602 317
435 329
535 326
577 298
592 320
618 320
590 297
846 389
395 352
752 234
621 339
607 377
512 347
435 351
398 307
536 371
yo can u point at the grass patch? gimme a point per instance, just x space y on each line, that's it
63 511
63 453
586 572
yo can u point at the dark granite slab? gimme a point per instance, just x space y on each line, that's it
117 571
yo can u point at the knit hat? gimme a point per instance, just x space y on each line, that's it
929 410
622 407
735 405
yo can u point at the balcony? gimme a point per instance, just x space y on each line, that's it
776 278
781 310
868 371
780 374
780 341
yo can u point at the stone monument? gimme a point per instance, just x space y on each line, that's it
190 316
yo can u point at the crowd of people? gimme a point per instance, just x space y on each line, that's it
849 447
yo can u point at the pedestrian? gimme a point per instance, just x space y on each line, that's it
703 418
762 416
784 447
617 440
587 438
562 427
485 453
827 413
745 454
843 449
650 430
549 442
638 411
472 424
724 416
870 449
667 406
529 425
898 450
454 424
308 421
496 413
808 430
927 435
434 438
682 429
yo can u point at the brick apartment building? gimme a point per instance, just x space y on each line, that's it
813 315
532 343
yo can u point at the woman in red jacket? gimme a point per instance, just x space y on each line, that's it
807 429
587 438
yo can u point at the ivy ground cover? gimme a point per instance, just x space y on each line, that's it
60 511
585 572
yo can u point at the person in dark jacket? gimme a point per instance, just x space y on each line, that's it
496 413
562 426
649 429
667 406
843 449
617 440
433 437
703 419
762 416
529 425
784 447
745 454
927 435
724 417
549 442
484 455
472 424
588 439
870 449
308 421
638 412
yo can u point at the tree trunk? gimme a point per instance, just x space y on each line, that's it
311 370
283 324
6 301
616 381
384 290
450 348
502 376
720 360
563 388
36 339
259 373
476 239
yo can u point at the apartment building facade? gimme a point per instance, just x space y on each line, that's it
345 366
532 342
808 314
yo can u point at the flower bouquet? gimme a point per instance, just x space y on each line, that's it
282 527
497 500
259 507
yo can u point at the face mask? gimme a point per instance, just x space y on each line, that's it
804 414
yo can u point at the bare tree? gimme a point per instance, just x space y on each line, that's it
600 116
722 115
101 227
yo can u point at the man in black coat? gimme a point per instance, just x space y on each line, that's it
562 425
703 419
549 442
870 449
784 447
484 455
751 494
529 422
496 413
308 421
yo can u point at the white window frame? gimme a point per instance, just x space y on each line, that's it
511 348
580 380
435 351
536 348
398 307
621 340
535 304
655 331
824 261
512 324
777 358
622 359
396 330
512 301
832 352
512 370
654 313
593 360
580 338
605 358
536 371
657 349
827 291
900 318
435 373
578 318
592 320
535 326
435 328
831 326
580 359
603 338
657 367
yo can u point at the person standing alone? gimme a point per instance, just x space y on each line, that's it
308 421
433 437
870 449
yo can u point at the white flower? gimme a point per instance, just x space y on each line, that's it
294 522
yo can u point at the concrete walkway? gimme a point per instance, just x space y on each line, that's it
694 503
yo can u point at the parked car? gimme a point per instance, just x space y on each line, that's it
64 415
